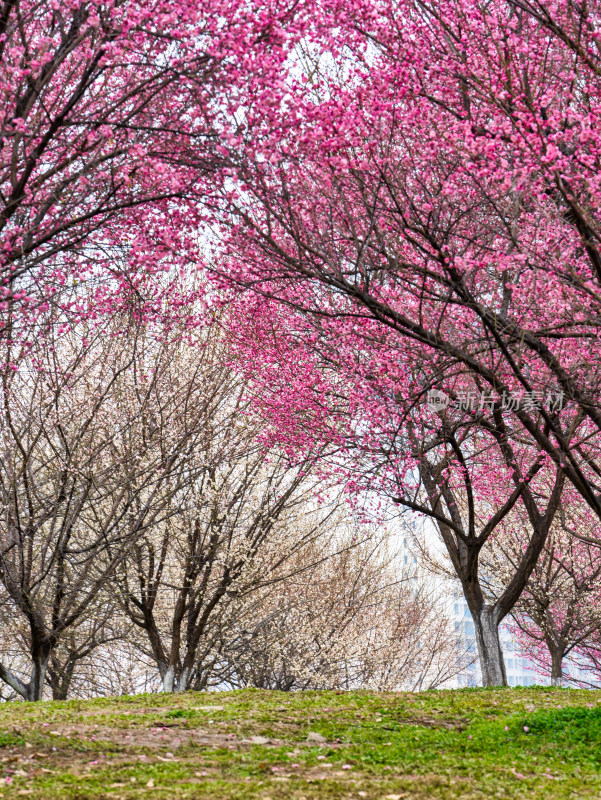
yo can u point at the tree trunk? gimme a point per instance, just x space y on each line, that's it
492 665
169 679
556 666
182 681
174 682
35 689
60 693
59 676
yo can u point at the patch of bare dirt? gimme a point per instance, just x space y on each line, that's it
162 737
104 712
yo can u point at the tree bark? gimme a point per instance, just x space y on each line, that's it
169 679
59 678
175 681
182 681
11 680
492 664
556 666
35 689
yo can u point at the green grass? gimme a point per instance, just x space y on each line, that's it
512 743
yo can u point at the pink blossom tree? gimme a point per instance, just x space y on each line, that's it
437 175
110 133
558 615
425 215
467 476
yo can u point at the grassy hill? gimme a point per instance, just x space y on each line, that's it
513 743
